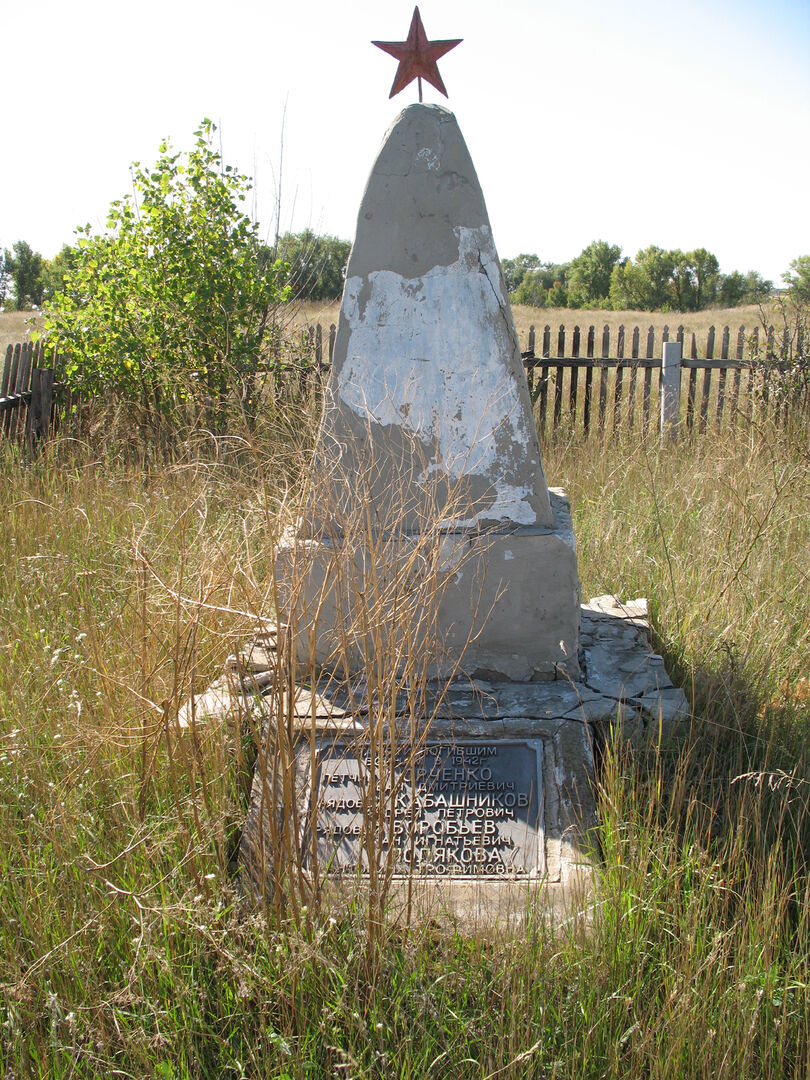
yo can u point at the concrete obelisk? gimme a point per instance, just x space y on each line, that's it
427 422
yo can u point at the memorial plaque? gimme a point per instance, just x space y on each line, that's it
461 808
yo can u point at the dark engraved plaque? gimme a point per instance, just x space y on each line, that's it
461 808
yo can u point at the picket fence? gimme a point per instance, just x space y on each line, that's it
580 379
27 393
586 378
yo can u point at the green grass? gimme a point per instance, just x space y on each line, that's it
124 948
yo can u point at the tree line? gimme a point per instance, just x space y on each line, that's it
655 280
599 277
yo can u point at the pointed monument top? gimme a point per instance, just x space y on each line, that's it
427 399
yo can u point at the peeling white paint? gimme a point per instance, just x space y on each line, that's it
430 158
427 355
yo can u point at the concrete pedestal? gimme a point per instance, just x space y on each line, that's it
495 604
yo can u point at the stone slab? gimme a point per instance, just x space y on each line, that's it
482 805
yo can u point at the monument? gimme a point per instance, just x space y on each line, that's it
452 693
428 431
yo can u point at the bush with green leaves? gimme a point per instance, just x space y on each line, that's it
172 303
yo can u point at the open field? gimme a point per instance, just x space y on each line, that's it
692 322
125 949
16 326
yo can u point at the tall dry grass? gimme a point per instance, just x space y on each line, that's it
125 949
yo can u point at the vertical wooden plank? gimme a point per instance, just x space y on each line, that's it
734 405
664 340
544 378
707 379
6 371
603 378
631 396
754 359
679 336
14 387
722 376
46 390
617 393
691 393
645 401
529 368
558 378
12 383
33 416
23 382
766 369
33 404
572 395
331 342
586 411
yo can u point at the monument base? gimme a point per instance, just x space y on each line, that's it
494 807
498 605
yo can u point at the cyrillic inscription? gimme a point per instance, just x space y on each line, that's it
461 808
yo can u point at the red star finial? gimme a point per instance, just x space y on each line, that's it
417 57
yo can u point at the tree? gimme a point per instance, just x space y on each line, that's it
5 277
557 295
589 278
798 282
644 284
514 270
317 264
683 282
705 272
55 271
735 288
532 289
171 303
536 284
24 267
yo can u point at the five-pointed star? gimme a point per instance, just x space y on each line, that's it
417 57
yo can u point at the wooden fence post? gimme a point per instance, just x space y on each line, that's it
670 389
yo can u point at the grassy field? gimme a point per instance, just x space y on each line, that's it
693 323
16 326
125 949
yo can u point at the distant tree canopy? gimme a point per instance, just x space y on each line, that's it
317 264
589 277
533 280
22 271
797 279
656 280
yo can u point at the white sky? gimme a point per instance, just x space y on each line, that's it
635 121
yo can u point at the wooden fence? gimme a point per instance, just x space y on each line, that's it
610 379
26 393
580 379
